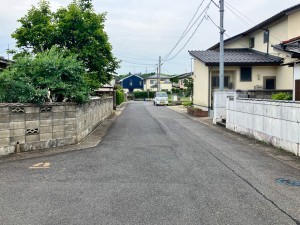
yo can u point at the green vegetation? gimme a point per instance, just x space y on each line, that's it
282 96
120 95
143 94
189 83
50 75
77 29
187 103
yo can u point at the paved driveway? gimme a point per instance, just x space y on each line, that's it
154 166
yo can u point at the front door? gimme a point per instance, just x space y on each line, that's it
270 83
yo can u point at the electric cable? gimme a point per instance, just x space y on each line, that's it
187 30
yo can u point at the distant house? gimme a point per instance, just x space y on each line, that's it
132 82
181 78
150 83
3 63
250 60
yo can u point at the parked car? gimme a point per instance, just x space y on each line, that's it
160 98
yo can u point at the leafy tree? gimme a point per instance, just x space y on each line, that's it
189 83
76 29
31 78
174 79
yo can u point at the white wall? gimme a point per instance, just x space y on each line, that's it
220 99
274 122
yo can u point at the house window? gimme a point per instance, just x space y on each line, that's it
266 36
216 82
246 74
140 83
152 81
251 42
130 83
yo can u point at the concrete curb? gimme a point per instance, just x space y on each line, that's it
91 141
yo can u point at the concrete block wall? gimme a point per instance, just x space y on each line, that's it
274 122
51 125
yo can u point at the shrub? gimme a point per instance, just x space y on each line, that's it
282 96
143 94
120 96
187 103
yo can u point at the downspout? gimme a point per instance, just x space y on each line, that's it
209 89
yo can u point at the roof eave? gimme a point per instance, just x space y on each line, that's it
261 25
244 63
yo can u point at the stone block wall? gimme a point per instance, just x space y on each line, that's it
274 122
50 125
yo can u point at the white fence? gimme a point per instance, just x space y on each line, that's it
274 122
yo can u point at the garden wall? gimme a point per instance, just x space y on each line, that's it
274 122
51 125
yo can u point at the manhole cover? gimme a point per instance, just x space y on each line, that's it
288 182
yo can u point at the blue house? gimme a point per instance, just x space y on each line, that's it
132 82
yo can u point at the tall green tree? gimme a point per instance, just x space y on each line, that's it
47 75
76 29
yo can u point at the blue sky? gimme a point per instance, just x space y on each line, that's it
141 30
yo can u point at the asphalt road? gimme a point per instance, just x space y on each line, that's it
154 166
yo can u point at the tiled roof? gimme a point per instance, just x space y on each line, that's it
292 48
236 57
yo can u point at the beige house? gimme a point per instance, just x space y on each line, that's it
181 78
251 61
150 83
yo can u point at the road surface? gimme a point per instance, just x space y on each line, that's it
154 166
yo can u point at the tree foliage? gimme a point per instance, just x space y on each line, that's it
77 29
189 83
32 78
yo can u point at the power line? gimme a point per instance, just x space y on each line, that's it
141 59
237 15
205 10
145 64
246 17
186 30
134 55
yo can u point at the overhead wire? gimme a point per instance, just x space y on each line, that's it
145 64
186 30
135 58
241 15
237 14
204 11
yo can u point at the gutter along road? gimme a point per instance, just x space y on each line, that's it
154 166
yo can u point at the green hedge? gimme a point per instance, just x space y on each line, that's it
143 94
282 96
120 96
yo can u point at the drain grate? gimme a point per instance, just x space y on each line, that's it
288 182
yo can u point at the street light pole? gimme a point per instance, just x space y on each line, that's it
222 31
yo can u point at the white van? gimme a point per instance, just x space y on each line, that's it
161 98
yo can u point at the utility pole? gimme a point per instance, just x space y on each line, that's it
159 73
222 31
